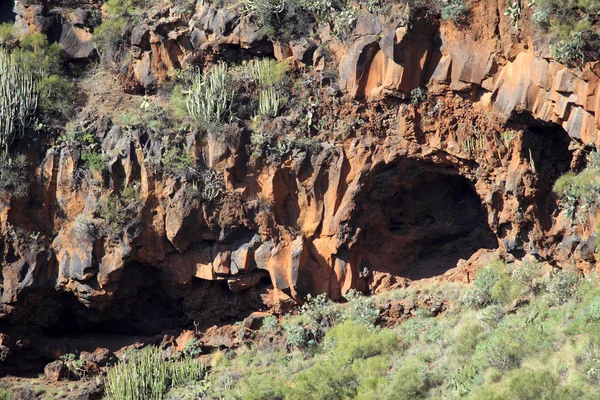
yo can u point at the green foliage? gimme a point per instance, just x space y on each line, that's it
95 161
4 395
418 95
18 102
570 51
14 175
108 36
209 186
57 95
409 383
360 309
503 349
454 10
269 103
119 210
295 18
480 293
209 97
528 275
563 285
592 311
569 25
147 374
7 33
176 161
267 72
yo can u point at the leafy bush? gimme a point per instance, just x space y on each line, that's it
504 350
562 285
592 311
569 24
528 275
454 10
95 161
7 32
14 176
480 293
108 36
57 95
360 309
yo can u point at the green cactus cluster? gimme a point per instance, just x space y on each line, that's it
209 97
18 100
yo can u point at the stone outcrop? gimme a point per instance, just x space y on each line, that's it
406 193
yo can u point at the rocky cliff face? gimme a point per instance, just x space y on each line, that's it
400 190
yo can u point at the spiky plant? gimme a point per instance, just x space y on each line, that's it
18 100
209 97
269 103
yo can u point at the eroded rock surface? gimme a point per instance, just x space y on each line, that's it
404 193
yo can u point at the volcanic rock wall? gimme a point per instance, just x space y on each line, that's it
404 194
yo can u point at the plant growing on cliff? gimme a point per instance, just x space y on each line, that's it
454 10
267 72
14 175
579 194
208 187
209 97
18 102
269 103
513 10
4 395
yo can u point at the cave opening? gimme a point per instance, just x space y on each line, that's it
418 220
7 13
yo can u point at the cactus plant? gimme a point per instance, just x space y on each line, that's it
209 97
269 103
18 100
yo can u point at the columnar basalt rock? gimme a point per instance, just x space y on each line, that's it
404 196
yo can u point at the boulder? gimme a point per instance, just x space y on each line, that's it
56 371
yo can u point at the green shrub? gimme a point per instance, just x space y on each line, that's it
526 384
356 341
528 275
454 10
7 32
268 72
480 292
14 175
57 95
187 371
208 187
95 161
108 36
563 285
409 383
571 51
592 311
588 363
503 349
260 387
360 309
4 395
468 336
